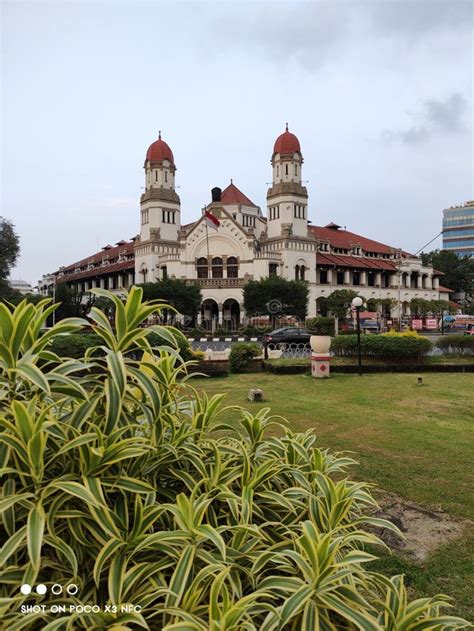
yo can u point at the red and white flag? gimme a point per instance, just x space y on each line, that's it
211 220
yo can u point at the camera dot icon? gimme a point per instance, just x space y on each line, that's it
72 589
25 589
57 589
41 589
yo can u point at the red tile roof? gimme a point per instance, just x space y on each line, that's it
111 253
98 271
159 151
345 239
445 290
287 144
232 195
361 262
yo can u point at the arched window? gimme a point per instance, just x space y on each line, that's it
299 272
232 267
217 267
202 267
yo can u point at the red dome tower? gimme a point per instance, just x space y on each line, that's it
287 199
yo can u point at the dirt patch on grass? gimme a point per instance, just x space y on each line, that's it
424 529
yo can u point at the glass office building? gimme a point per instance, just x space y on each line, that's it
458 229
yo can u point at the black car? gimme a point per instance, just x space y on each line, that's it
287 335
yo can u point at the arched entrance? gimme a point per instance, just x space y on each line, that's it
321 309
209 314
231 314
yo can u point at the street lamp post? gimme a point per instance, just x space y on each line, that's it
357 304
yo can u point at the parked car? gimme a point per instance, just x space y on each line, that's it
469 329
287 335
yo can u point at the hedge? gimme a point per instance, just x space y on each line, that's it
456 344
241 355
382 346
75 345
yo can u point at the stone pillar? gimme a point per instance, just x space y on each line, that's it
378 279
435 282
320 357
199 319
220 317
408 280
119 281
429 282
131 278
395 279
347 277
102 282
419 281
329 276
363 278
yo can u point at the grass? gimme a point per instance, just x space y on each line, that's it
415 441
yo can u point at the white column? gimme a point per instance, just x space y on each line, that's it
419 281
220 317
435 282
102 282
347 277
329 276
131 278
363 278
378 279
429 282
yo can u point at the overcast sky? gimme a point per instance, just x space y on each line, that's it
378 92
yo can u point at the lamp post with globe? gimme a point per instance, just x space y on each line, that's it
357 303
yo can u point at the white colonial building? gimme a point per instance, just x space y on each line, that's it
250 244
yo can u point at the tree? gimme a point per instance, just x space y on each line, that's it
276 297
339 302
9 251
186 299
420 307
458 270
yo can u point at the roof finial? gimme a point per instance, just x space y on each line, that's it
231 181
286 126
159 135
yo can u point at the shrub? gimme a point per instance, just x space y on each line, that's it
74 345
388 346
241 355
320 326
116 479
456 344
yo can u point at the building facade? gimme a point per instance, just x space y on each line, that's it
458 229
250 244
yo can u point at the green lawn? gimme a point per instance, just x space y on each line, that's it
415 441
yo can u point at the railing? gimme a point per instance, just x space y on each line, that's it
268 255
217 282
275 351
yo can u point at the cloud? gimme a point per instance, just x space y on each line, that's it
413 19
315 33
436 116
